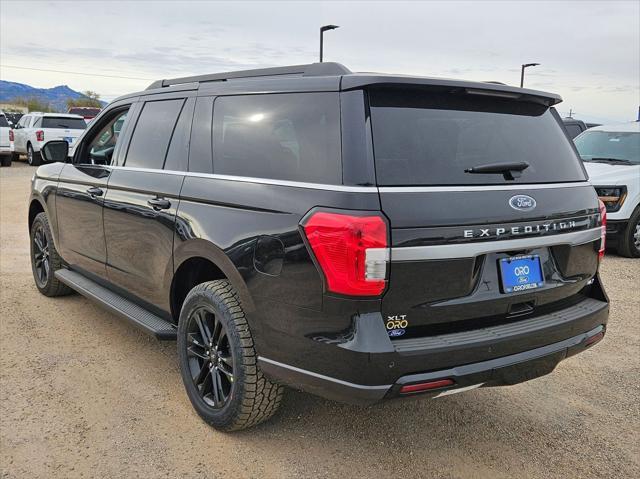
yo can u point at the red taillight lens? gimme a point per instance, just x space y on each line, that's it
10 135
603 228
351 250
40 135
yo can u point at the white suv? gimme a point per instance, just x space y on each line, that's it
611 154
5 141
35 129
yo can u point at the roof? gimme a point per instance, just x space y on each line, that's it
330 76
57 115
633 126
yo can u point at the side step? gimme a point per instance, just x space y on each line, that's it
140 317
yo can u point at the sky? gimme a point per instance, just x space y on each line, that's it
589 51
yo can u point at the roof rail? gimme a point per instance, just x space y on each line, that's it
312 69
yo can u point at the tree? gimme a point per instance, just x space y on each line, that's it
33 104
89 98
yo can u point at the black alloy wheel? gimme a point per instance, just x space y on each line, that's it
40 258
210 357
218 362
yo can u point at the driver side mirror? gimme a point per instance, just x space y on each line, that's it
54 151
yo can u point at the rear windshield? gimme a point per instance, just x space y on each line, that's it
3 121
609 146
63 122
430 138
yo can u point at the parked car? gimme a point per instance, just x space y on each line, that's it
358 236
86 112
34 129
5 141
12 117
574 127
612 158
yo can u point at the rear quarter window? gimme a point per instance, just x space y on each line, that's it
430 138
293 137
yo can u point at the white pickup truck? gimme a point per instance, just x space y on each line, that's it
611 155
35 129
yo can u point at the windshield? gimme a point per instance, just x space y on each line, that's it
68 123
422 137
609 145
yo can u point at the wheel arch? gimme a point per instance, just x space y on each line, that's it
197 261
35 207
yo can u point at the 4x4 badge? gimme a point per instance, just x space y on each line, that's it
522 202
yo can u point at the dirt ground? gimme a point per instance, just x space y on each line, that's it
83 394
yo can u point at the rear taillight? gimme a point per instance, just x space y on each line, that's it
40 135
352 251
10 135
603 228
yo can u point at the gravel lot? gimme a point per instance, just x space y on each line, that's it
83 394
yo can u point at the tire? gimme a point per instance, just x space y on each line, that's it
5 160
33 157
629 242
244 397
45 260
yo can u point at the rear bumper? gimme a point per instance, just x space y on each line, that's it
369 367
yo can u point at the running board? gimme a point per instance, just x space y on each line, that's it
140 317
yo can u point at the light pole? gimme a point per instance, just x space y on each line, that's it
322 30
522 71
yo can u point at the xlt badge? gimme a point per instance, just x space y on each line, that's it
396 324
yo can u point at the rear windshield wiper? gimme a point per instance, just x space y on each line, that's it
610 160
511 171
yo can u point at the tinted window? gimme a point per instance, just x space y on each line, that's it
603 145
573 130
37 123
3 121
430 138
178 154
148 147
24 120
284 136
62 122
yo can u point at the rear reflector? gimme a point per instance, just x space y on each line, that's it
351 251
594 339
415 388
603 228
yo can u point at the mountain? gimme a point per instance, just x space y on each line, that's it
56 97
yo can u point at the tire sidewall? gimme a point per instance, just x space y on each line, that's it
633 222
30 154
222 417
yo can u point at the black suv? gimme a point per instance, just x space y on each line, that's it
357 236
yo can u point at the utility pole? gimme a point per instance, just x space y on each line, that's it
322 30
526 65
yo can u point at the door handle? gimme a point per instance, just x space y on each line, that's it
159 203
95 191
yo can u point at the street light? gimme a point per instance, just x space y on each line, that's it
322 30
522 71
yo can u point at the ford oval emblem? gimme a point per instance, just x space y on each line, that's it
396 332
522 203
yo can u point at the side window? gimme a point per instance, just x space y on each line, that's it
178 154
23 121
151 137
289 136
99 150
37 123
